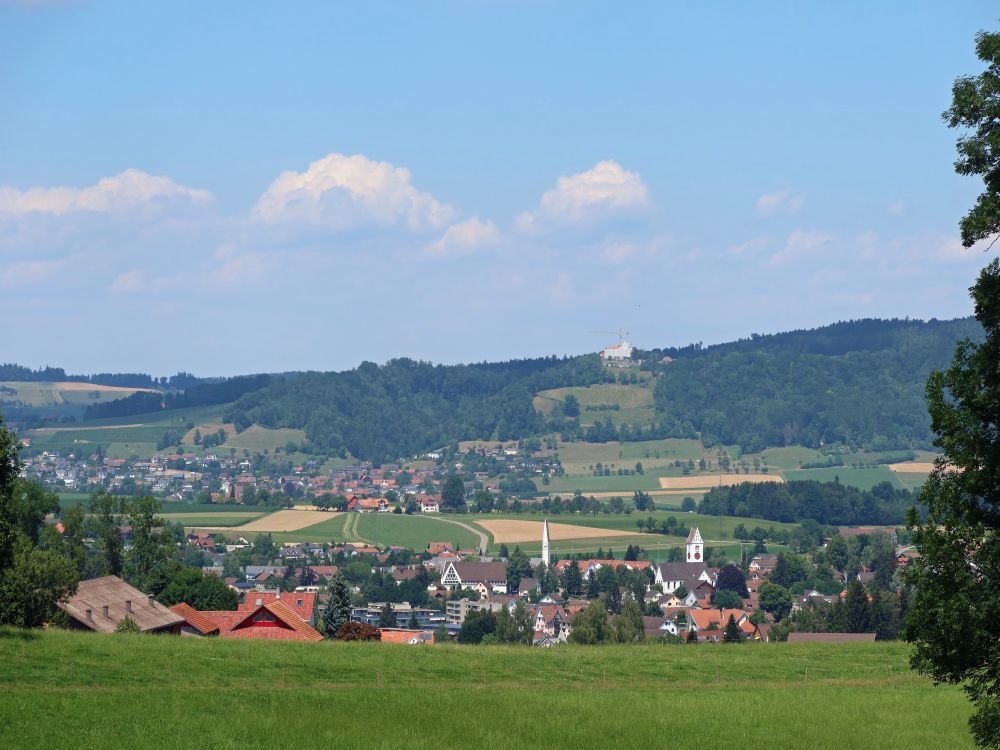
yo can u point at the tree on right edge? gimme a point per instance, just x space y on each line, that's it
953 617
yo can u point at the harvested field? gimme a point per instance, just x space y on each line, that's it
91 387
715 480
285 520
505 532
913 467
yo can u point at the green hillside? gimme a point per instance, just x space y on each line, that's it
65 689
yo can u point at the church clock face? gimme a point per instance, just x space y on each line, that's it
697 555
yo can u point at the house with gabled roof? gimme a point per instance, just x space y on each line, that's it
461 575
101 603
273 621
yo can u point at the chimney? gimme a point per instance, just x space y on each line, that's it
152 602
107 612
90 616
128 606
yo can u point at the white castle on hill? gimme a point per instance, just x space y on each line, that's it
619 355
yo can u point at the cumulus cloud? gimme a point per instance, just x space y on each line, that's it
800 243
605 191
131 189
781 202
465 237
342 192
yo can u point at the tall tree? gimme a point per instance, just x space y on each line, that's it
572 581
338 606
104 509
952 620
733 578
151 545
858 618
453 494
732 632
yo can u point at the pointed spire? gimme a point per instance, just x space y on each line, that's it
545 543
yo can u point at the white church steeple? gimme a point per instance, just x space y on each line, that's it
545 543
695 546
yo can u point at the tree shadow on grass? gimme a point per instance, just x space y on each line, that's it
19 634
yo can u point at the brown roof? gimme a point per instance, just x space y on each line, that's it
112 592
194 618
831 637
475 572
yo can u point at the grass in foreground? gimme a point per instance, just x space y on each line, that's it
60 689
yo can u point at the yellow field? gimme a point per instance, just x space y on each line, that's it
282 520
505 532
702 481
103 388
913 467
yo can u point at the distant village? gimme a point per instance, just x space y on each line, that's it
459 595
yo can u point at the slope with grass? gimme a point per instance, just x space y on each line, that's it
59 690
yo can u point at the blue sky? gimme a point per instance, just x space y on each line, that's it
241 187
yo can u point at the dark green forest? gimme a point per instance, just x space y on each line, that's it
859 383
825 502
406 407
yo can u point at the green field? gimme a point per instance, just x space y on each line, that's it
791 457
864 479
212 519
41 394
384 529
63 689
634 402
567 485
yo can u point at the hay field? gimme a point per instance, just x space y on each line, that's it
912 467
701 481
507 531
282 520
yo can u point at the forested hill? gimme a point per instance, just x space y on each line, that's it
406 407
860 382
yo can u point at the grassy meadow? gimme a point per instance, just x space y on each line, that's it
63 689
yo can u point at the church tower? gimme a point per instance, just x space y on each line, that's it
545 543
695 546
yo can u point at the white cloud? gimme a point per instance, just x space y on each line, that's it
750 247
465 236
783 202
896 208
605 191
800 243
341 192
128 190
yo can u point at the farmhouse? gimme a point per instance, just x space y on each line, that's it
101 603
273 621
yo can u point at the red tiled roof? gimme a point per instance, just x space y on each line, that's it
197 620
300 602
295 628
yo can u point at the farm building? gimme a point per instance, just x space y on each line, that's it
101 603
